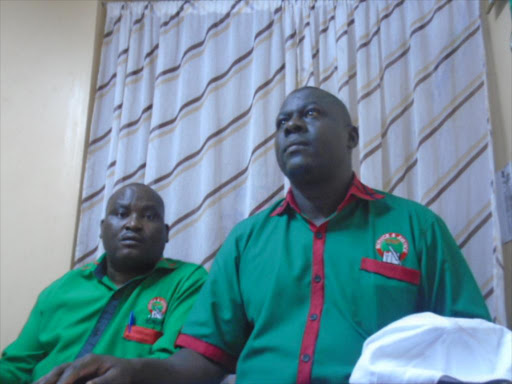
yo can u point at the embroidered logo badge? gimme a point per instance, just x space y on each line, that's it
392 247
157 307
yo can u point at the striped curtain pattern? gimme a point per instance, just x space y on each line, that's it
188 92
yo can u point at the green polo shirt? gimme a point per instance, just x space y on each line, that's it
84 308
288 301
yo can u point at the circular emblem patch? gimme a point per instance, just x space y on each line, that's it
157 307
392 247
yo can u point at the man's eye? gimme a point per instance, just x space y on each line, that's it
312 112
150 216
122 214
280 123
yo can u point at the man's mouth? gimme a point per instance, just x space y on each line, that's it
131 241
295 147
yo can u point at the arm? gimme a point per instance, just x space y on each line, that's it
449 286
218 327
185 366
19 358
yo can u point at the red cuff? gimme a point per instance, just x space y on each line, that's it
208 350
393 271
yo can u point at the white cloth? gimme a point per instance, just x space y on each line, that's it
421 348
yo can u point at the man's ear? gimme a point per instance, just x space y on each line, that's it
167 229
353 136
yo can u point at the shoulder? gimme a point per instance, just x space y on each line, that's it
246 232
257 221
401 208
179 268
66 282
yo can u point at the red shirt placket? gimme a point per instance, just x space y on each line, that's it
309 339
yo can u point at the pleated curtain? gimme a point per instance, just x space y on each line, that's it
188 92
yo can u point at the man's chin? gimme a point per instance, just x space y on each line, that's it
132 261
299 173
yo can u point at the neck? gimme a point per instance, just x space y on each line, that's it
120 278
318 201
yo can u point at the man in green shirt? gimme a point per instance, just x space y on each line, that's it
296 289
130 303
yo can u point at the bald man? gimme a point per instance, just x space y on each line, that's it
130 303
297 288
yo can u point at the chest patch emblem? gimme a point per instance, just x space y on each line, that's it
157 307
392 247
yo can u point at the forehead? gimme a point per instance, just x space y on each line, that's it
136 195
303 97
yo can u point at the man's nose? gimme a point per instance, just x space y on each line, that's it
294 125
133 222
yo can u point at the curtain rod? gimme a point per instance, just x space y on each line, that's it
104 2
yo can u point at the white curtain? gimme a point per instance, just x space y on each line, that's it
188 92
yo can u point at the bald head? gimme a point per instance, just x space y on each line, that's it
140 188
327 98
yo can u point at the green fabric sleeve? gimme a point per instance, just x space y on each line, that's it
20 357
449 288
218 316
179 307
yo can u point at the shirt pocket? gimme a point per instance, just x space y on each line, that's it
142 327
393 271
141 334
386 292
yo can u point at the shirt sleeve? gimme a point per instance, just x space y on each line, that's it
19 358
179 307
448 286
217 326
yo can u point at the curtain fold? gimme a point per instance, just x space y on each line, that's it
188 92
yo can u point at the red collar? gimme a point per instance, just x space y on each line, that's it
357 190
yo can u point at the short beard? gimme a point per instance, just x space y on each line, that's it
132 265
304 175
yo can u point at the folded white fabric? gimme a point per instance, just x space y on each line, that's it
423 347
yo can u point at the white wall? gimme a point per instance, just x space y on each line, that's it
46 69
497 29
